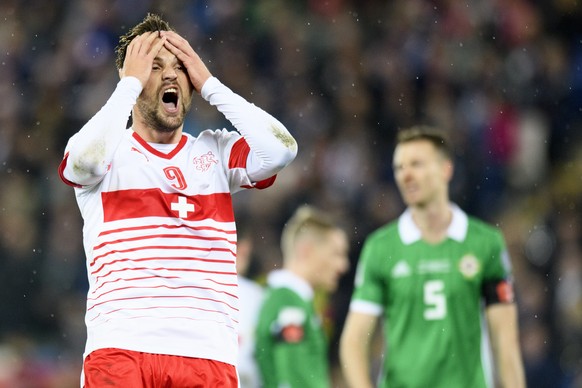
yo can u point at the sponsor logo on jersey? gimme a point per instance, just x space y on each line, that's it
469 266
401 269
434 266
205 161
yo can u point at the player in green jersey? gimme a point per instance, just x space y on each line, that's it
291 347
440 279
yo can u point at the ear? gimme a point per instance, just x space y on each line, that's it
304 248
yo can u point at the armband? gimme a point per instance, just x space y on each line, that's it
499 291
289 325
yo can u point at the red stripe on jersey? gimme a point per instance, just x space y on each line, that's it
265 183
239 154
62 166
135 279
177 236
163 286
136 203
165 297
157 153
165 269
157 258
168 247
180 226
221 283
238 159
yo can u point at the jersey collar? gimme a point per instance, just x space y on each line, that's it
410 233
160 154
285 278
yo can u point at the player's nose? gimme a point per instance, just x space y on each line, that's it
169 73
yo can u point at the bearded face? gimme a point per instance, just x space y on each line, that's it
167 96
164 110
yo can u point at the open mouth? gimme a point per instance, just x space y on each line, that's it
170 99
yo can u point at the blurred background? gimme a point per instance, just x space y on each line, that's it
504 77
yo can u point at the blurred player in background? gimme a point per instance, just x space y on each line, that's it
251 296
439 278
291 345
159 234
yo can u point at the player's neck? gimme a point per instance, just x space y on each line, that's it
300 270
153 136
433 220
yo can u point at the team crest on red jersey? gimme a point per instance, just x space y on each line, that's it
205 161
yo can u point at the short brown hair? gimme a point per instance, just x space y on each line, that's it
424 132
151 22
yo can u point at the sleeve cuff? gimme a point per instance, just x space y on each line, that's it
131 84
365 307
209 87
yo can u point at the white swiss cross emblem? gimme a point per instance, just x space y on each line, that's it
182 207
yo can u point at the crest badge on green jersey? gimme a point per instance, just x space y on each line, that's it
469 266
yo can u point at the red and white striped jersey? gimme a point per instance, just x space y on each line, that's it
160 243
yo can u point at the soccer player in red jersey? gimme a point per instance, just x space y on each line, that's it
159 232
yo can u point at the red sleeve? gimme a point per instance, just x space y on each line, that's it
238 159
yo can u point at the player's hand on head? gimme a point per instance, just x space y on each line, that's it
140 54
197 70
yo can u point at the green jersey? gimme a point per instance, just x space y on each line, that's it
291 348
432 298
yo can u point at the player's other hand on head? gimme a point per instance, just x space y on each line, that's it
140 55
197 70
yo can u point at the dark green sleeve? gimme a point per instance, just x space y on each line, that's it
497 282
497 263
290 349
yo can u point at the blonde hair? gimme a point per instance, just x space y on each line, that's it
306 220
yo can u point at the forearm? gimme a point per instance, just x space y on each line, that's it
91 149
502 320
511 373
354 352
355 362
272 146
509 362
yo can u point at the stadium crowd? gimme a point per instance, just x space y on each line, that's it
503 77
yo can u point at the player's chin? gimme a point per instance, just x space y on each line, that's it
412 200
173 122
